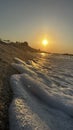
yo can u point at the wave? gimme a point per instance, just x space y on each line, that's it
35 104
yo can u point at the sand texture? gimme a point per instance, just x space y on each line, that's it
7 54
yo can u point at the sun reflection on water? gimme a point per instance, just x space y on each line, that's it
43 54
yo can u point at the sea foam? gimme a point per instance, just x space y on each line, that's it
40 102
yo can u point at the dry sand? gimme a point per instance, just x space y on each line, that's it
7 54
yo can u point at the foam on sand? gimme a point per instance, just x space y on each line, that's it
34 105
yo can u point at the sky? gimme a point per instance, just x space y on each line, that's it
36 20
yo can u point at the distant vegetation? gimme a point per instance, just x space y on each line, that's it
22 45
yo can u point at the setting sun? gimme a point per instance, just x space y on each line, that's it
45 42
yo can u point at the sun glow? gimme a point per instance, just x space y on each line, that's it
45 42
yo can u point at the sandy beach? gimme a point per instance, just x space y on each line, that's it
36 65
36 89
7 54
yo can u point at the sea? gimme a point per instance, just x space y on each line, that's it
42 93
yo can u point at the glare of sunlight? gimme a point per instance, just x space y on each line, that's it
45 42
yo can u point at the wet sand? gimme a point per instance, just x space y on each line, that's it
7 54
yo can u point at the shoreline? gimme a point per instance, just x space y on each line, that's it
7 54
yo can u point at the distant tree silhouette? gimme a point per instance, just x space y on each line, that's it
7 41
25 43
